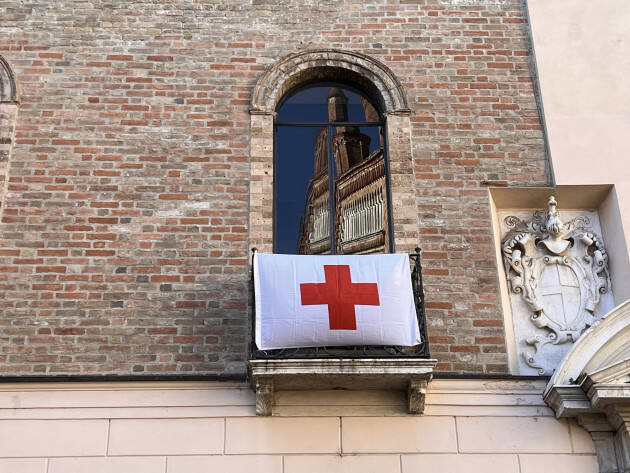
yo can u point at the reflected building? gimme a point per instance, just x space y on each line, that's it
358 183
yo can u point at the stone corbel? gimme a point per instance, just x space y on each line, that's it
264 396
416 394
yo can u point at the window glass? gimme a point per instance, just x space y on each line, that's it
330 181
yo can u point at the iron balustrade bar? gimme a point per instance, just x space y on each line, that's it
334 124
355 351
417 287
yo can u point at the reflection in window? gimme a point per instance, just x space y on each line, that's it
330 174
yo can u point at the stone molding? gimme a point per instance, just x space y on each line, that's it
591 384
325 64
8 88
568 401
397 374
596 348
164 399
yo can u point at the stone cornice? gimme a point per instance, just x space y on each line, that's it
567 400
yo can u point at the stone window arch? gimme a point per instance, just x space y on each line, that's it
8 116
320 66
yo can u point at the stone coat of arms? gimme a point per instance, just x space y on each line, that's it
560 270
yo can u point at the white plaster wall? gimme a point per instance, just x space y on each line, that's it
582 52
489 426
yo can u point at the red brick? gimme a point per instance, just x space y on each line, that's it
487 323
165 278
50 269
438 305
69 331
160 58
119 57
65 142
100 252
173 196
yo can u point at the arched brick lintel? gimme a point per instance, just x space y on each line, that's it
8 89
315 65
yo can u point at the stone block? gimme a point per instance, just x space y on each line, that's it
23 465
166 436
49 438
398 434
226 463
282 435
454 463
559 463
342 464
513 435
107 465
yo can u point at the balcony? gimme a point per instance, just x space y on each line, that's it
371 367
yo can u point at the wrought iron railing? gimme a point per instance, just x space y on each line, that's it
357 351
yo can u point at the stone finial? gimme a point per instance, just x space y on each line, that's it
556 241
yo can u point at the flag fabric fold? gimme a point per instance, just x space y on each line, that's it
322 300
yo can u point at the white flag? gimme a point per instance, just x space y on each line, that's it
313 300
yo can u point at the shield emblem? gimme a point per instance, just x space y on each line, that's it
560 290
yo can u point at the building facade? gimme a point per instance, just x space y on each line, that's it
138 167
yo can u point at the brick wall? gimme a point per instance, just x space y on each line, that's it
125 225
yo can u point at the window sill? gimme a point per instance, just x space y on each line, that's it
394 374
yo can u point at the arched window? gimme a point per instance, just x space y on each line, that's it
331 176
291 101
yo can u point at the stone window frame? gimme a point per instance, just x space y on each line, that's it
8 88
9 104
329 65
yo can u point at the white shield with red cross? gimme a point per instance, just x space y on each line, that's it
315 300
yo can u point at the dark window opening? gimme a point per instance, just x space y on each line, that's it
331 176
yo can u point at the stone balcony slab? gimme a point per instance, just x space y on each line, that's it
395 374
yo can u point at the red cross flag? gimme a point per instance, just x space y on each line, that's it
313 300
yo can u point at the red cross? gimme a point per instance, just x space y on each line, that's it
341 295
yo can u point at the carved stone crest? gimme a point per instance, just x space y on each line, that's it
560 270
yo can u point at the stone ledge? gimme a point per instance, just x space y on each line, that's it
395 374
567 400
602 396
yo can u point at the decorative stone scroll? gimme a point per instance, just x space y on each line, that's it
560 271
